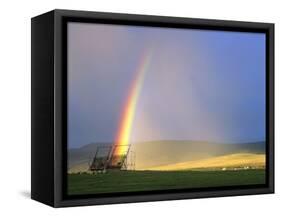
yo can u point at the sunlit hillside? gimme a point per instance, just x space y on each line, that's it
241 160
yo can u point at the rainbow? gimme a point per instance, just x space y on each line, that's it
129 108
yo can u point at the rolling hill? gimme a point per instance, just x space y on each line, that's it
231 161
169 152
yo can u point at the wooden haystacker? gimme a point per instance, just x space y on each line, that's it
105 159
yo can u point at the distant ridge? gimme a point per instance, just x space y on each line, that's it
230 161
156 153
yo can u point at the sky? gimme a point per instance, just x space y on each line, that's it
200 85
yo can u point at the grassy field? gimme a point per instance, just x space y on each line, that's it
126 181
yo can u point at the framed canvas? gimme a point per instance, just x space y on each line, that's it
134 108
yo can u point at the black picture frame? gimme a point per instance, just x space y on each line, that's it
49 107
